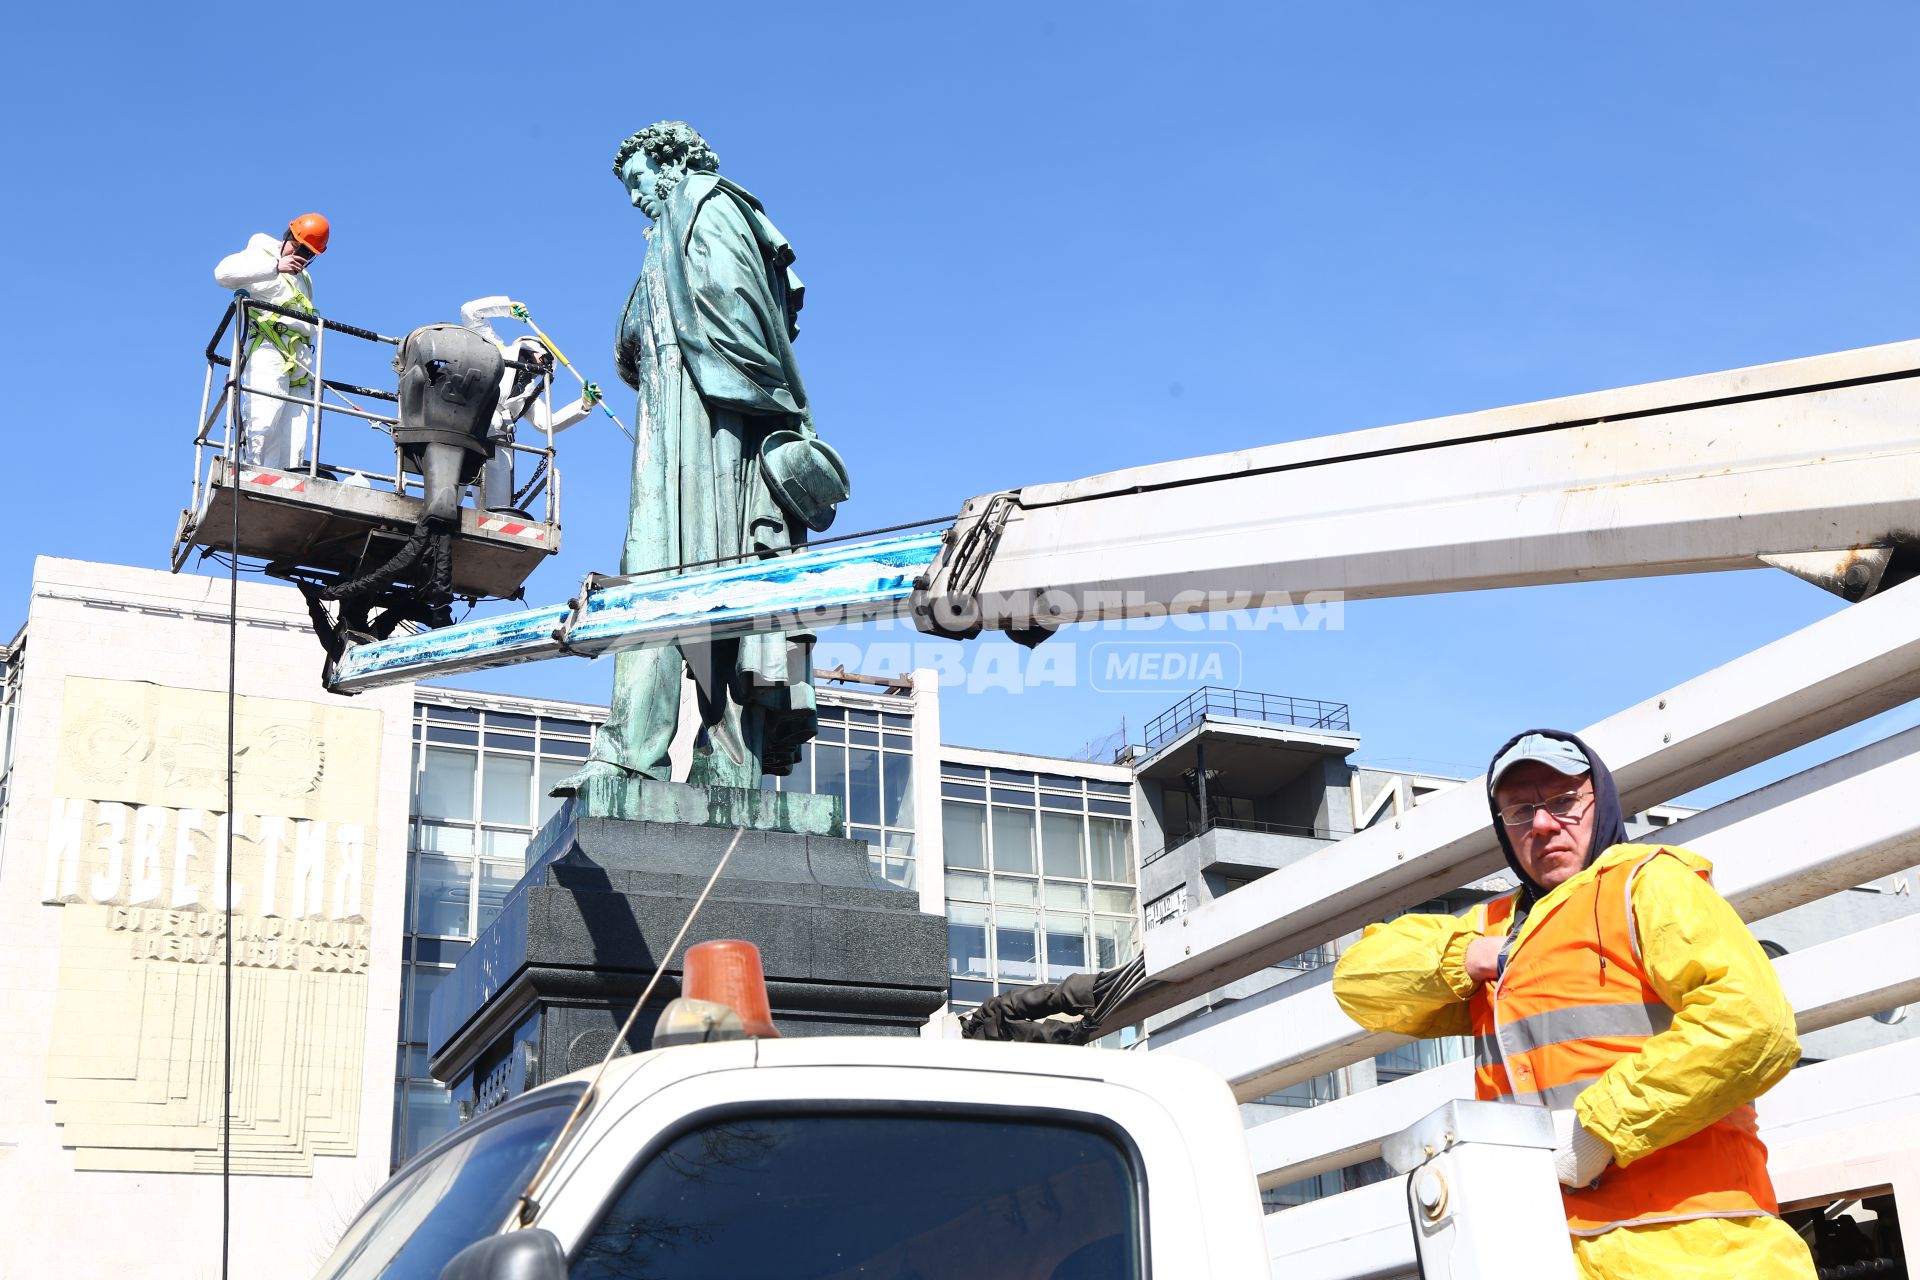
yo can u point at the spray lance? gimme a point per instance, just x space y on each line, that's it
520 314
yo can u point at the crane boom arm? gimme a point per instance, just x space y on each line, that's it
1804 464
1811 465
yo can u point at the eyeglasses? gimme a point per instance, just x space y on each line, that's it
1561 807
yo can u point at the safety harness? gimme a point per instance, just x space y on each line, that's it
273 329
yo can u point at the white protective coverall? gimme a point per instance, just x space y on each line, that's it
273 432
496 480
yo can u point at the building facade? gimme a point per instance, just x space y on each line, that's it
141 800
373 838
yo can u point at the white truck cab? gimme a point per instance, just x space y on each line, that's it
836 1157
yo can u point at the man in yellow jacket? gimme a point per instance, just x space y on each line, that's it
1617 989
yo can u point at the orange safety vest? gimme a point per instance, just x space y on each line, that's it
1573 1000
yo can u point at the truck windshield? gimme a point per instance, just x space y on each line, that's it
449 1197
834 1197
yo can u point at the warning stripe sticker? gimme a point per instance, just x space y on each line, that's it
513 528
270 480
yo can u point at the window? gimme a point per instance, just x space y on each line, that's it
864 756
480 793
446 785
1037 851
800 1197
1112 859
966 886
1421 1055
1013 840
863 786
438 1207
896 791
1060 846
966 940
1317 1187
551 771
1066 945
442 889
965 829
506 790
830 773
1016 943
425 983
496 878
426 1115
1306 1093
1112 941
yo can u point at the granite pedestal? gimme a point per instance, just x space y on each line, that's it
544 988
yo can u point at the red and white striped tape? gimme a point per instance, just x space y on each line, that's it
513 528
275 481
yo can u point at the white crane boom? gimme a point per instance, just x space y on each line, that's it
1812 465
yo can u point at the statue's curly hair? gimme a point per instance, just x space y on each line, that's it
671 144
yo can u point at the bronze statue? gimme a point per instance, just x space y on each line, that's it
726 463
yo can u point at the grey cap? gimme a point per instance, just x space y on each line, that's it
1556 753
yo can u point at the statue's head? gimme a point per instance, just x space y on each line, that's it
653 161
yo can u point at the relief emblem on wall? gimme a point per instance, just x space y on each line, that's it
136 862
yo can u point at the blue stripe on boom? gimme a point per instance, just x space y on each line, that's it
801 591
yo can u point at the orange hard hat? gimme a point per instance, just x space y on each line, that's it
310 231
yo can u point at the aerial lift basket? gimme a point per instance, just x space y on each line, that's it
325 521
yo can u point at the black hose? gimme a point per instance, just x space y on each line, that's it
294 313
402 560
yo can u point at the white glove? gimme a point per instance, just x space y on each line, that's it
1579 1158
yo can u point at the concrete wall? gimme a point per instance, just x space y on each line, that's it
111 978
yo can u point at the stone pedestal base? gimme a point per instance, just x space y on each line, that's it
644 800
545 987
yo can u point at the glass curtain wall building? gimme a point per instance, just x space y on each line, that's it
864 754
1040 870
481 770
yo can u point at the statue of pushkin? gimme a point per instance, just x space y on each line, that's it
726 465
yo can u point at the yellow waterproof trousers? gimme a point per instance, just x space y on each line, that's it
1760 1248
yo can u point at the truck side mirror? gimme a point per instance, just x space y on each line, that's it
527 1254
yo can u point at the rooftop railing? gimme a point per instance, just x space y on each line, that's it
1239 704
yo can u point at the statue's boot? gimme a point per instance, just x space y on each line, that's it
576 782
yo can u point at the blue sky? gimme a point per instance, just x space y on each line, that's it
1041 241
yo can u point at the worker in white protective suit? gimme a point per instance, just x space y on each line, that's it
522 397
276 350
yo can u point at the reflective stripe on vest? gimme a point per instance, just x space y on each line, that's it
1574 1000
270 328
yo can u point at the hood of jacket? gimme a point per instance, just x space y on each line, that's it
1609 824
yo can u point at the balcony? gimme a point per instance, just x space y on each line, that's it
1232 847
1212 702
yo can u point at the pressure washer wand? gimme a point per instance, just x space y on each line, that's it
520 313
